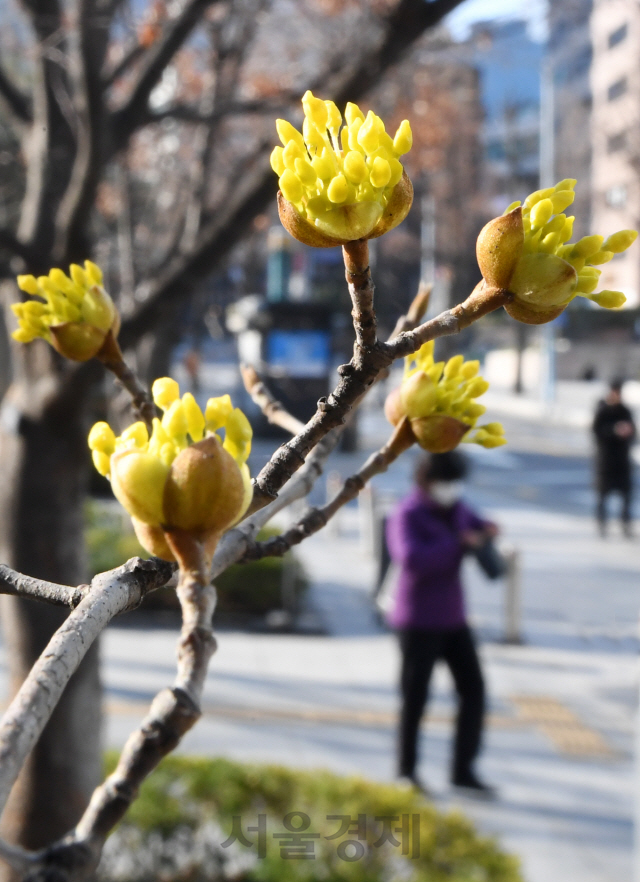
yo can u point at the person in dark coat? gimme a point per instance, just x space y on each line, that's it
428 535
614 431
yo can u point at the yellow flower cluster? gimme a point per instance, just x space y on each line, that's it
76 315
339 178
547 230
183 476
526 253
438 400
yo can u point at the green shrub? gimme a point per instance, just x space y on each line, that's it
189 799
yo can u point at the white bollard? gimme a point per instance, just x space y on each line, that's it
513 598
333 485
367 516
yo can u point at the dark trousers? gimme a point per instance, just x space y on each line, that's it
420 651
601 507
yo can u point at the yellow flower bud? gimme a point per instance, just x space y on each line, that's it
286 132
174 422
204 490
541 213
330 196
403 139
540 271
380 172
217 412
619 242
77 315
354 167
277 160
418 395
601 257
28 284
609 299
165 483
315 109
165 391
138 480
135 436
499 248
102 438
291 186
352 113
102 462
194 417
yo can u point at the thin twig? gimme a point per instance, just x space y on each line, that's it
356 378
110 594
111 357
316 518
358 275
273 409
19 585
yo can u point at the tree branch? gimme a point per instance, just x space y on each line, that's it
18 585
356 377
317 518
130 115
14 99
110 594
128 59
272 409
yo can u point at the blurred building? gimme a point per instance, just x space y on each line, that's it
509 64
615 134
570 59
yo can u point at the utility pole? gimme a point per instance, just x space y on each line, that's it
547 137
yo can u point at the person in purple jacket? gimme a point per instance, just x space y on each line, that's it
428 535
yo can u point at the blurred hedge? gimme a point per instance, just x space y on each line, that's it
174 831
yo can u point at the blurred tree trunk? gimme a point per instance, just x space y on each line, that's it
43 472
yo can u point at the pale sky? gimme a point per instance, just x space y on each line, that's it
481 10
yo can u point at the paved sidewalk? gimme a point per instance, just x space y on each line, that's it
559 743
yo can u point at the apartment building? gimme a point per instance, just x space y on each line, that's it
570 58
615 134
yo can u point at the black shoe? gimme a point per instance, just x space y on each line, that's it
414 782
473 786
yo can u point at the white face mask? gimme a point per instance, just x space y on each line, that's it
446 493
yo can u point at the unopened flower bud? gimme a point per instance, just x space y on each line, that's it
330 196
178 480
77 315
527 253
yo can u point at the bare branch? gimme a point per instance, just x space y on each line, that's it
356 377
111 357
78 199
127 61
110 594
316 518
270 406
358 275
416 311
14 99
130 115
18 585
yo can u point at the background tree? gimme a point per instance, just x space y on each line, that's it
99 103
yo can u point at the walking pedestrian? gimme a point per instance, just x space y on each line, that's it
614 432
428 535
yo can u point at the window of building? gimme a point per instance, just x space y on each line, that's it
618 142
616 197
617 89
617 36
